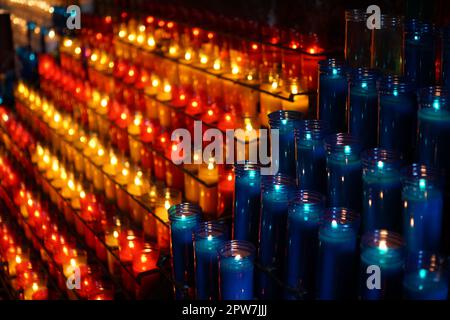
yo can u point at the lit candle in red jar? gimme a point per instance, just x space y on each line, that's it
145 260
129 246
131 75
310 62
177 116
174 175
159 162
194 109
225 191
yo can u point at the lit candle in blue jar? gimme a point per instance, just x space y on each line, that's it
236 270
420 52
363 106
333 92
184 219
381 251
397 104
382 191
422 208
208 238
285 122
426 277
247 202
305 211
311 155
344 182
276 191
337 255
434 128
446 56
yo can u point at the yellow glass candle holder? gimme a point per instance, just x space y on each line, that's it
301 101
122 179
110 170
137 187
209 174
134 130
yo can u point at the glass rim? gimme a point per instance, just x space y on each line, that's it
374 238
203 228
229 247
371 158
184 209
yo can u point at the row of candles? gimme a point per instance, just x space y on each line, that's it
126 252
147 144
60 253
19 264
413 47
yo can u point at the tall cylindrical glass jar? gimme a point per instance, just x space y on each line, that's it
304 214
333 92
426 277
337 255
236 270
344 181
434 128
383 249
285 122
422 208
397 105
391 32
420 53
311 155
358 38
363 106
184 218
446 56
247 202
208 238
276 191
382 191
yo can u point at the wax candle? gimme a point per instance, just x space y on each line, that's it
134 130
337 254
37 291
276 190
225 189
332 97
363 106
304 213
184 218
247 202
311 155
397 105
269 103
422 208
426 277
166 199
299 102
344 183
208 238
129 245
122 179
434 128
209 175
285 122
381 190
384 249
145 260
111 169
137 187
420 53
112 234
236 270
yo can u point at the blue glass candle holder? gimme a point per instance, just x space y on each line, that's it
184 218
247 202
305 211
397 103
276 191
382 191
434 128
446 56
333 92
426 277
422 208
236 269
208 238
420 53
337 255
363 106
285 122
311 155
385 250
344 182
